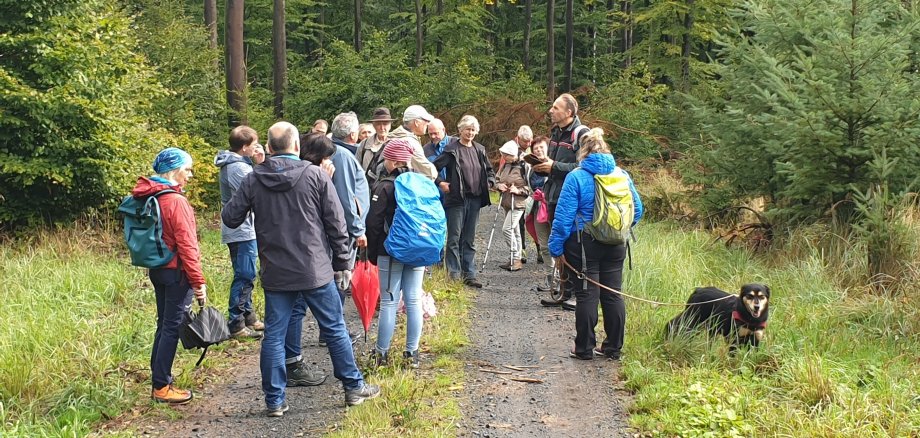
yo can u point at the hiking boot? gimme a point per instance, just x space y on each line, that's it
172 395
298 374
505 266
472 282
411 357
277 411
252 321
550 285
517 265
573 355
569 304
599 352
246 333
380 359
357 396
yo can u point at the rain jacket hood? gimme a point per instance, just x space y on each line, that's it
279 174
598 164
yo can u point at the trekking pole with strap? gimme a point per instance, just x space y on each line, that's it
515 225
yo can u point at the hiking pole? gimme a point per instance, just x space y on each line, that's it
511 255
489 245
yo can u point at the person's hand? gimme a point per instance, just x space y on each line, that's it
201 294
445 186
544 167
501 187
327 167
515 190
258 155
361 242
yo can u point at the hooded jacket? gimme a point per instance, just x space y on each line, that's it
299 223
562 150
514 174
418 162
449 160
576 201
352 189
233 168
180 232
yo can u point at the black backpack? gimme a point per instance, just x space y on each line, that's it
203 329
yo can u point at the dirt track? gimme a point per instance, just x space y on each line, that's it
509 327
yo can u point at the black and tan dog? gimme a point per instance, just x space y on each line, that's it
741 319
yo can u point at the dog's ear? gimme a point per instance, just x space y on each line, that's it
766 290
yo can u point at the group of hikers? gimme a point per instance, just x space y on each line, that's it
308 206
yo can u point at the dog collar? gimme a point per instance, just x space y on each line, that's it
736 315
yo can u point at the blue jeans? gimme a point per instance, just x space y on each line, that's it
243 258
174 298
292 341
326 307
398 280
461 232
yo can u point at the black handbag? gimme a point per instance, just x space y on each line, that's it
203 329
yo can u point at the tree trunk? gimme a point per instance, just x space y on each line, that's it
528 17
592 34
685 48
550 52
279 55
235 63
210 21
358 11
569 42
626 42
419 37
612 26
439 11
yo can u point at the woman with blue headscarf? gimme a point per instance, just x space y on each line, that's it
176 282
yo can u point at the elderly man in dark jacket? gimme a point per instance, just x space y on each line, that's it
299 223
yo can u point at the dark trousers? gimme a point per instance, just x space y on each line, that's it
461 234
174 298
604 264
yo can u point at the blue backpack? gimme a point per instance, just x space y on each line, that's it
416 236
144 230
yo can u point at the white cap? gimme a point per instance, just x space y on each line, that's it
417 112
510 148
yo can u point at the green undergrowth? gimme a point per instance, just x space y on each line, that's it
421 402
835 362
77 328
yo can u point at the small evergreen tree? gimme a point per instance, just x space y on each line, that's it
812 92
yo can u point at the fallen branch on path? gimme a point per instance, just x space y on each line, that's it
494 371
526 380
511 367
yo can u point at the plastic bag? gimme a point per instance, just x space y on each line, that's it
429 309
542 214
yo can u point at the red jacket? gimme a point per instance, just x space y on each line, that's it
179 228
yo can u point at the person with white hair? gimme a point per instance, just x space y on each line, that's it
466 191
345 130
302 239
438 140
364 131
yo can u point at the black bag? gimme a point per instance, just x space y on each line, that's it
203 329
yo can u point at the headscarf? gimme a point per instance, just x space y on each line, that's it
171 159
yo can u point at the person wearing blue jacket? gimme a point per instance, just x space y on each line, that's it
601 262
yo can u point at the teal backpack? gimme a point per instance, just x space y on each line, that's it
144 230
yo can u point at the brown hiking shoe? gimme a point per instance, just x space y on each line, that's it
172 395
516 266
253 322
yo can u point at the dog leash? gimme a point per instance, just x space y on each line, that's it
581 276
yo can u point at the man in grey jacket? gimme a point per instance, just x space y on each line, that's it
300 230
234 164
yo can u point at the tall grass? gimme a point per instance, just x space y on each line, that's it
77 326
836 362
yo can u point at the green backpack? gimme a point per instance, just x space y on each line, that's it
144 230
613 208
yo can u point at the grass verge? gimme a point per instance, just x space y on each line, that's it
422 402
77 328
835 363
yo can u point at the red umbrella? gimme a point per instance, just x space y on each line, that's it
365 290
